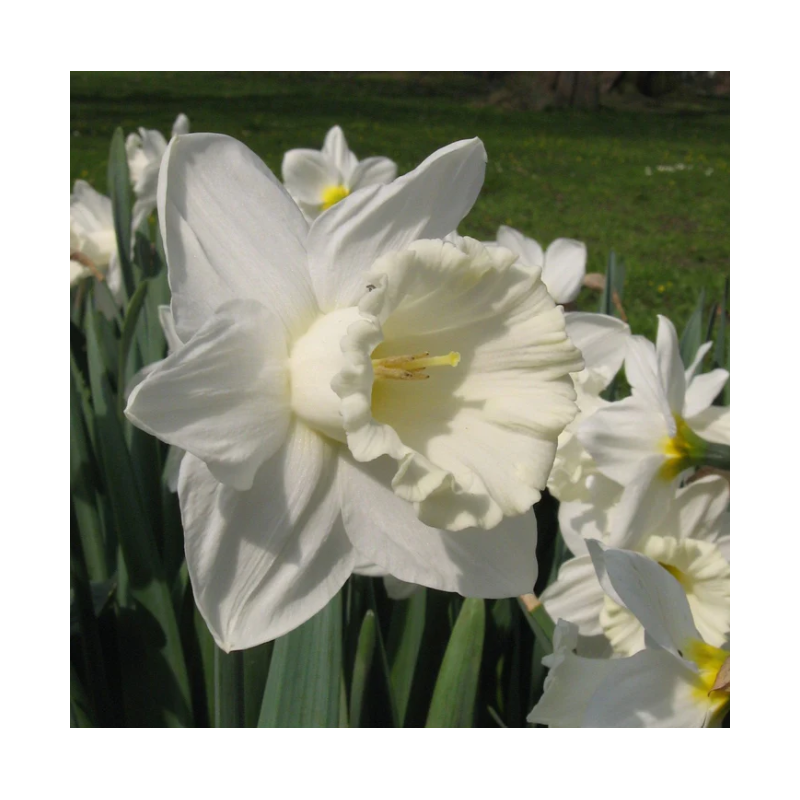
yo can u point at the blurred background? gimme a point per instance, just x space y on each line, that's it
635 162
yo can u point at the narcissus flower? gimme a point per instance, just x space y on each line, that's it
691 543
678 681
563 264
648 440
93 244
145 151
317 179
350 392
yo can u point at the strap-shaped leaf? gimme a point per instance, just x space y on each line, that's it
365 652
692 336
453 702
405 638
119 188
304 679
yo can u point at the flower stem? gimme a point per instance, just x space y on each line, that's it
717 455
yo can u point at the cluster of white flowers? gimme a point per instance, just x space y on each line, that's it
647 593
351 386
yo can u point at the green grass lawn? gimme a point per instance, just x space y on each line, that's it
550 174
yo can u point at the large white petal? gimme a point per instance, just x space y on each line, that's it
651 689
474 563
564 268
703 390
307 174
262 562
602 340
428 202
372 171
230 231
670 366
529 250
576 596
649 592
224 396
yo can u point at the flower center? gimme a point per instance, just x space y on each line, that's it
476 444
682 450
331 195
411 368
703 573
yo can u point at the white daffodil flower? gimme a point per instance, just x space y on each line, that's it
93 244
691 543
563 264
603 342
318 179
349 392
677 681
648 440
145 151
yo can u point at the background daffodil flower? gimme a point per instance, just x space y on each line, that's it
318 179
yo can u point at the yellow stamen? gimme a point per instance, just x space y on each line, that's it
412 367
331 195
711 661
682 450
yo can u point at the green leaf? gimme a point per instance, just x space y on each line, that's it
721 351
692 336
151 614
365 652
304 679
405 638
79 707
119 188
256 668
95 700
128 330
228 689
541 624
453 702
83 485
